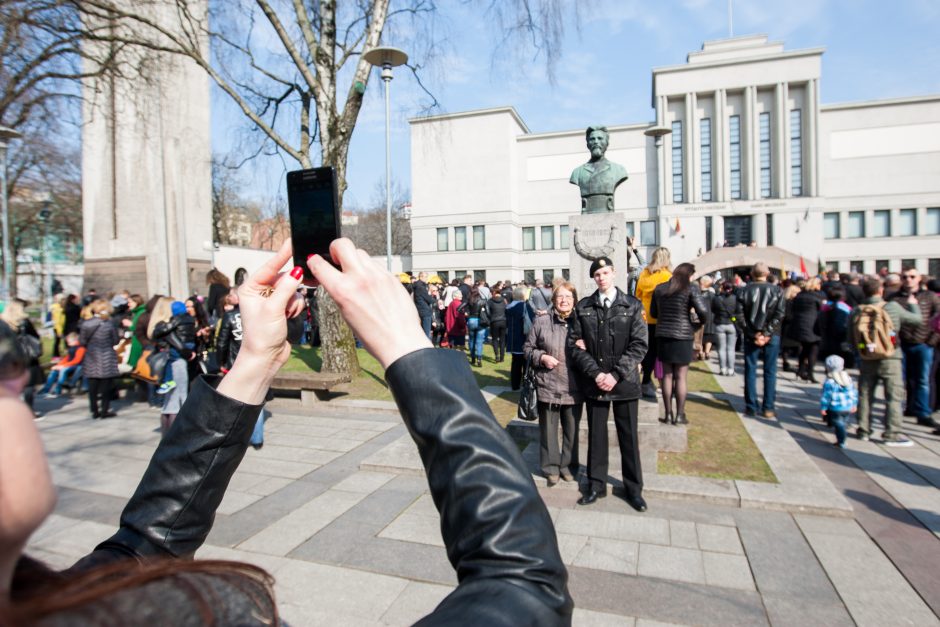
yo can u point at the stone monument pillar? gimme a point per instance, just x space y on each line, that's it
146 174
598 231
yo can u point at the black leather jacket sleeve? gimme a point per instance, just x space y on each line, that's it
172 510
498 534
583 360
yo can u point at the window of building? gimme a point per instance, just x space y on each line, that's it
933 221
548 238
855 224
529 276
460 274
479 237
677 161
832 265
479 275
831 226
907 222
764 124
548 276
881 223
708 232
460 238
648 233
563 237
857 266
908 263
738 230
444 276
566 274
528 238
770 229
881 265
631 229
442 239
734 130
706 141
796 153
933 267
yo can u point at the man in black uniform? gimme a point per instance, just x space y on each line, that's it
613 341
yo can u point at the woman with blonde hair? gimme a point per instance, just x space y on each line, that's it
657 272
14 314
559 398
100 365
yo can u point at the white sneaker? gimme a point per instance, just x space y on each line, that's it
898 440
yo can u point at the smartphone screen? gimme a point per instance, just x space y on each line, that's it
314 215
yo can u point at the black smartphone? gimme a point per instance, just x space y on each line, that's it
314 214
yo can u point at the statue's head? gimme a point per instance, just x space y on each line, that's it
597 139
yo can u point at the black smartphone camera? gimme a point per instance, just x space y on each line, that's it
314 214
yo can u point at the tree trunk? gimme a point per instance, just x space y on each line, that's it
337 346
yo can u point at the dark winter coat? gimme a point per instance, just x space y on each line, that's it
804 310
671 311
99 338
496 308
723 306
616 341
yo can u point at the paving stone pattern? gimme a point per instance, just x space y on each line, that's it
352 536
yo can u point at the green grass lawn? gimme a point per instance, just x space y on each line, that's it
719 445
370 384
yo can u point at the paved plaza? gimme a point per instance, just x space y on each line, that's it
846 536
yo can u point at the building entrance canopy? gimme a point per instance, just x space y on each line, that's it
721 259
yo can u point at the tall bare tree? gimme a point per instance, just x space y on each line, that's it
296 70
369 230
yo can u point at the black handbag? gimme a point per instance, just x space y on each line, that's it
157 362
528 401
484 317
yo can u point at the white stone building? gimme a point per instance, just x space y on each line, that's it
752 157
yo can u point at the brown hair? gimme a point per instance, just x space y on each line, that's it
38 591
216 276
681 278
100 308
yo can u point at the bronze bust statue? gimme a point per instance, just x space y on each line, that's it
598 178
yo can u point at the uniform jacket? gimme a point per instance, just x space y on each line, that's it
616 342
498 534
672 311
99 337
760 309
549 335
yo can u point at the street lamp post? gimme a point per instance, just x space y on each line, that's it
657 132
6 134
387 58
44 215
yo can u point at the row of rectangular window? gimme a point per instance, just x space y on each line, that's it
460 238
548 275
648 235
765 157
883 265
881 224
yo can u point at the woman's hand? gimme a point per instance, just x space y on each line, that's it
549 362
266 299
372 301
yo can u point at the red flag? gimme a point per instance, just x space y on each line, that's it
803 267
678 228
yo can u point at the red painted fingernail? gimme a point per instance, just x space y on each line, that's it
297 272
310 256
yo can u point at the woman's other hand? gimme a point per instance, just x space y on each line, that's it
549 362
372 301
266 299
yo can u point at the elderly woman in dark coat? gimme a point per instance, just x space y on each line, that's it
100 365
559 399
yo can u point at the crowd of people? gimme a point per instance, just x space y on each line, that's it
887 327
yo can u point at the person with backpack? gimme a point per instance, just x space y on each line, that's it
873 330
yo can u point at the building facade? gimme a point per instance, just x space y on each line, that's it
750 157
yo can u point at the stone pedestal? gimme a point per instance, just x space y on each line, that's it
595 235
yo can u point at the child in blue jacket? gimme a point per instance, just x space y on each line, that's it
839 397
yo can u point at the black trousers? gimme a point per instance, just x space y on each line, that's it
102 388
516 371
625 420
498 335
649 361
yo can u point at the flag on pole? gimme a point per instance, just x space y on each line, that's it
803 267
678 227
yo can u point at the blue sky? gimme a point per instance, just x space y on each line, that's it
874 49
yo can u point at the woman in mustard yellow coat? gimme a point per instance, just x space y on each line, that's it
658 271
